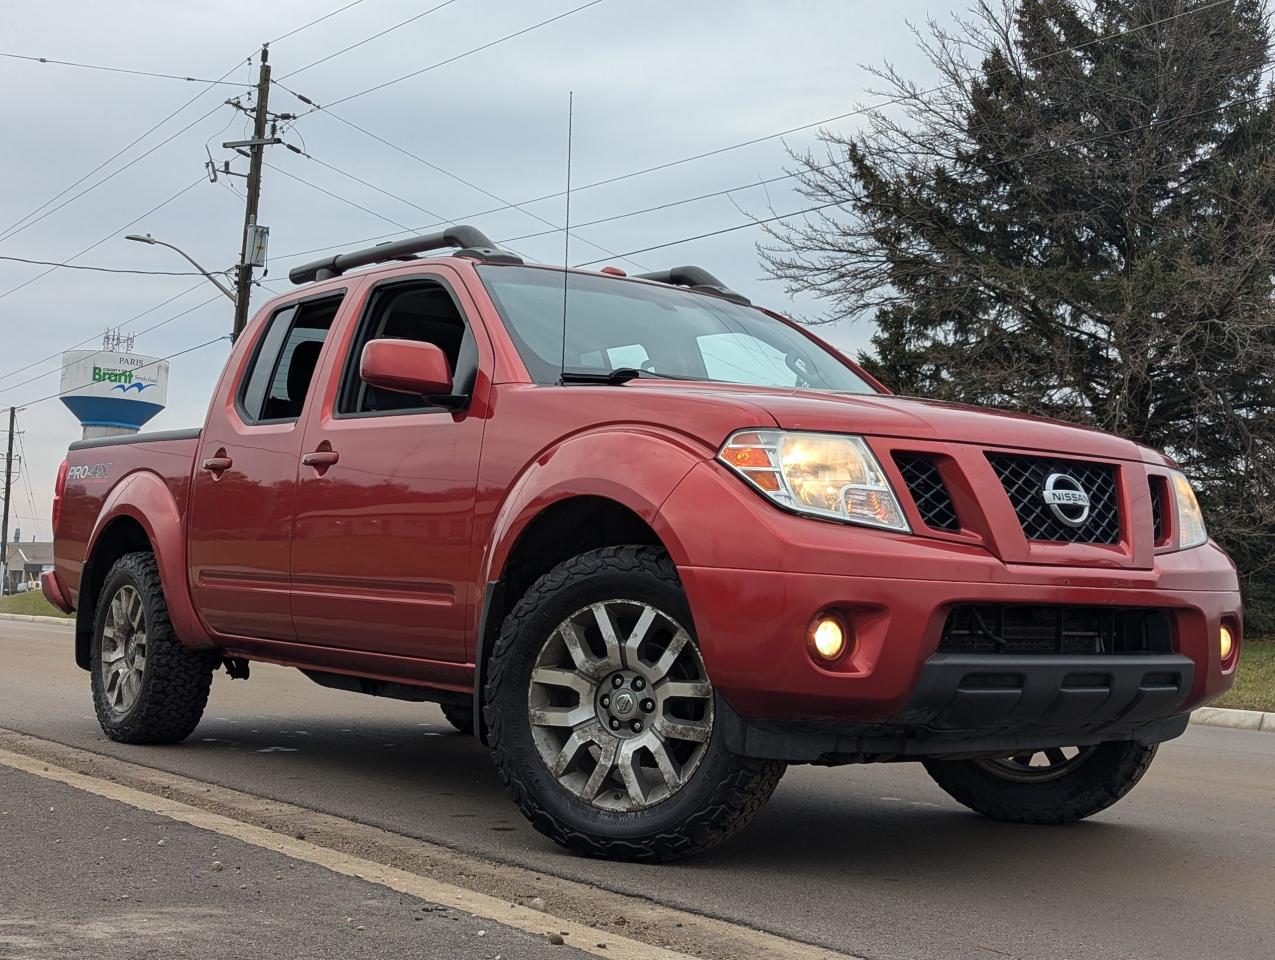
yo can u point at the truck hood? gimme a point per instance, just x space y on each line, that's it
886 415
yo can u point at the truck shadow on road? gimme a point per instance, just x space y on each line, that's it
887 821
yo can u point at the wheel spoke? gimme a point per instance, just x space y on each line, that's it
562 677
672 779
685 690
609 639
581 656
561 716
1055 756
579 739
114 654
606 760
682 730
628 766
632 659
134 609
671 653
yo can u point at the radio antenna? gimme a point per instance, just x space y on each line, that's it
566 233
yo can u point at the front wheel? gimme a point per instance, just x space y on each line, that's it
601 715
1058 785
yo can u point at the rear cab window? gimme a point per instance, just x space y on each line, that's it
279 379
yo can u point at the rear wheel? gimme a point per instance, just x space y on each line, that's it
601 715
1058 785
147 687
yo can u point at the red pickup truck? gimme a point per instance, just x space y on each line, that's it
651 544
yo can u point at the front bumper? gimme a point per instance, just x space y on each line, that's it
991 705
756 577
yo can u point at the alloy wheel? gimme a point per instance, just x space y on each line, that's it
620 705
1039 765
123 658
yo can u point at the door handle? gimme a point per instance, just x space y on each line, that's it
219 464
321 459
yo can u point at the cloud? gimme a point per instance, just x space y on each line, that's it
652 83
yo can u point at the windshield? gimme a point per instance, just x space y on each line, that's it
662 331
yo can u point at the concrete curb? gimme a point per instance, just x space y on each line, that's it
1235 719
27 618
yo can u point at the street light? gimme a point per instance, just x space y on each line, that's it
151 240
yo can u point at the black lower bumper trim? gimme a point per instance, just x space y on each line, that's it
987 705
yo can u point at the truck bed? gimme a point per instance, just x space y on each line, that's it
97 468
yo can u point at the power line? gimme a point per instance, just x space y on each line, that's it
402 23
137 73
307 26
469 183
727 191
155 326
368 184
335 196
18 226
1024 156
79 266
461 56
94 246
116 172
171 356
54 356
26 478
781 133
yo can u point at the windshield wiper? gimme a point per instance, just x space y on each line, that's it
614 377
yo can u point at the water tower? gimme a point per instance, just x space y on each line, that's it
113 391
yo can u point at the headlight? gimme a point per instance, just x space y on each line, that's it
1191 530
820 474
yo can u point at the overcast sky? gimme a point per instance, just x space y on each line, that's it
653 82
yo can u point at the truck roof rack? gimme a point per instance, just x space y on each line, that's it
696 278
471 241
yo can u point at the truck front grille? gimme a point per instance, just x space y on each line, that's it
1061 629
1024 480
929 493
1158 494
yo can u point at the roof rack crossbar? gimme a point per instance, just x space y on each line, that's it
697 278
474 243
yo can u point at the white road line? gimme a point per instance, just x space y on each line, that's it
577 935
491 885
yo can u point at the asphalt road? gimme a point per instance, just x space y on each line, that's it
872 861
86 877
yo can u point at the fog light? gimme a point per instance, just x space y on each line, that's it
1225 643
828 637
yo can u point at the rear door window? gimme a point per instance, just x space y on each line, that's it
282 371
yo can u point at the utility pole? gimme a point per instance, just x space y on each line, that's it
8 491
243 283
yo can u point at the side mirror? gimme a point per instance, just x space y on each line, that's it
406 366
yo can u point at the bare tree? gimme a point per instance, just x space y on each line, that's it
1078 221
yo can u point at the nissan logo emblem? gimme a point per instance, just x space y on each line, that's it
1066 499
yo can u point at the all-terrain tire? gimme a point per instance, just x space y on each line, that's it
460 716
1107 773
722 794
175 679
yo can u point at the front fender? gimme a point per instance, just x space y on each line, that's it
145 498
637 468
